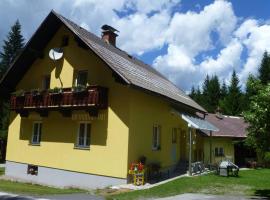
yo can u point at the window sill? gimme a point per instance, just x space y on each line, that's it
82 147
34 144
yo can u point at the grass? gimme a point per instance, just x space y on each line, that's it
32 189
249 182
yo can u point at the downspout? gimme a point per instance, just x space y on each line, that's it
210 147
190 150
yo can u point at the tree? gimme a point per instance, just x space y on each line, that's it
233 102
258 117
192 93
211 93
253 85
223 90
264 69
12 46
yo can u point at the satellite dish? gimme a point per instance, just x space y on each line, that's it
56 53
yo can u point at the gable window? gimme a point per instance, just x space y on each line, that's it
219 151
81 79
46 82
156 137
84 135
174 135
36 135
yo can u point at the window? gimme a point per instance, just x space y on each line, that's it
174 135
81 79
219 151
32 169
36 137
65 40
46 82
84 135
156 137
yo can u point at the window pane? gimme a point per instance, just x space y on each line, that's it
82 78
46 82
39 132
81 135
36 133
155 137
88 134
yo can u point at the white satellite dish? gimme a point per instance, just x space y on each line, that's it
56 53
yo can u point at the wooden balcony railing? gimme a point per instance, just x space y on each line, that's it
92 97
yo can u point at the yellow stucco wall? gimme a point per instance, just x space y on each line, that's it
146 111
226 143
108 152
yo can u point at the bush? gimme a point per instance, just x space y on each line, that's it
267 159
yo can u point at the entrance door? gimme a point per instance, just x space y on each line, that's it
183 145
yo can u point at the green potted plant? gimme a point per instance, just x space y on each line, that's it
79 89
55 91
19 93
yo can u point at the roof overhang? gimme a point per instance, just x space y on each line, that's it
196 122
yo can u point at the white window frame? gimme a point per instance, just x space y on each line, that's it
156 146
38 134
85 135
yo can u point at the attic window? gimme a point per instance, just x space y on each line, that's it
65 40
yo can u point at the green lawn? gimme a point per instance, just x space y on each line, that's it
32 189
249 182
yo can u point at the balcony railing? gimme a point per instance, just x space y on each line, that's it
91 97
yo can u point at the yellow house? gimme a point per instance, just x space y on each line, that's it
84 110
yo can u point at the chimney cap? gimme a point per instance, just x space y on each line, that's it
106 28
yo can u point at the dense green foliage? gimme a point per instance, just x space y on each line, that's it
258 117
249 182
11 48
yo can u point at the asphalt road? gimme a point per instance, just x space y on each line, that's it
5 196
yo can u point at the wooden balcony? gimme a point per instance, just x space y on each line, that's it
92 99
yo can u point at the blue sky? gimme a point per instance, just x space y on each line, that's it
183 39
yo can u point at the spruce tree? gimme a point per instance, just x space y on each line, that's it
192 93
264 69
12 46
223 90
233 102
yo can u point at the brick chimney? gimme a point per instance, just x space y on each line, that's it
108 34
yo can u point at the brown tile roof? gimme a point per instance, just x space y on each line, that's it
229 126
133 71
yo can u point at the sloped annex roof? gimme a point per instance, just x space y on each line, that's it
131 70
229 126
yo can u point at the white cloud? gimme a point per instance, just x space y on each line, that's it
256 41
213 33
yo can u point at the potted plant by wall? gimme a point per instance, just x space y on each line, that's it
18 98
79 89
56 91
19 93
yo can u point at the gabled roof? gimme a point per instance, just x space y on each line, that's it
131 70
229 126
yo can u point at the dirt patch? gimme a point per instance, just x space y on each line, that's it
226 189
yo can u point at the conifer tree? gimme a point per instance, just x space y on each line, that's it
12 46
233 102
264 69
